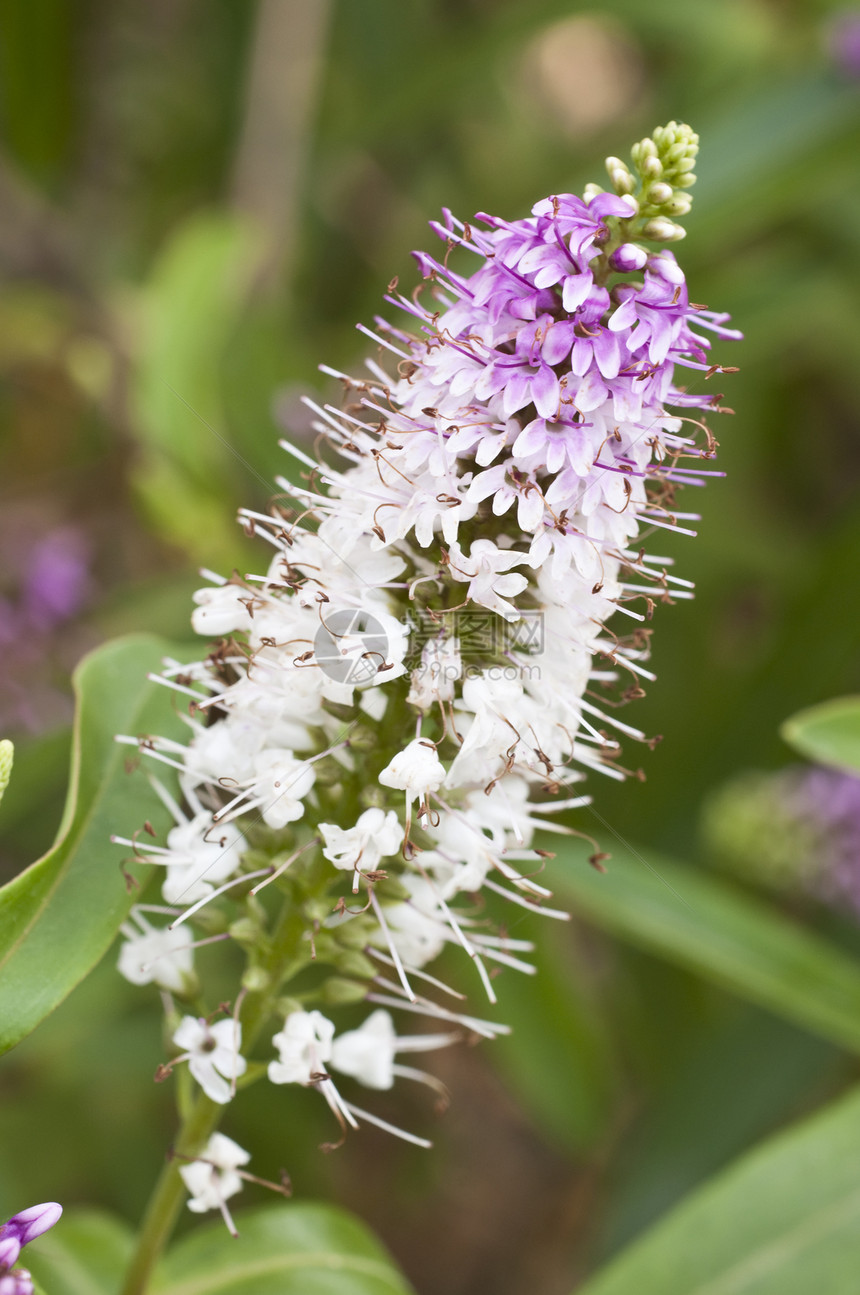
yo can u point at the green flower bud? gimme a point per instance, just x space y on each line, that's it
679 205
355 934
256 980
619 174
660 192
246 931
337 991
362 738
286 1006
643 150
661 230
355 964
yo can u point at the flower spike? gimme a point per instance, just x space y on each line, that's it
406 695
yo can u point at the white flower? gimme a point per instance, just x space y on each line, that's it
416 770
417 926
212 1053
200 855
304 1046
221 610
435 679
375 836
367 1054
488 572
150 955
212 1179
281 784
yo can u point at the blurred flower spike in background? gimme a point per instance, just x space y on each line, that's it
842 36
796 831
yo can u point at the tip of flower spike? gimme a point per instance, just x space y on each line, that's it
663 169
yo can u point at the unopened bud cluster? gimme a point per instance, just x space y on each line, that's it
663 168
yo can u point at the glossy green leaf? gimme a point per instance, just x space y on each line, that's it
85 1254
59 916
700 922
295 1249
784 1221
828 734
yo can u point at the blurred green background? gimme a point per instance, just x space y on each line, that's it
200 199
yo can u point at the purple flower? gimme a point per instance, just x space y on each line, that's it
57 580
628 257
18 1232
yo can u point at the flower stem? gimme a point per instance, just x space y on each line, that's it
204 1115
166 1199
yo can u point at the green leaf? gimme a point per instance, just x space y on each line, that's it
700 922
85 1254
784 1221
296 1249
59 916
187 313
828 734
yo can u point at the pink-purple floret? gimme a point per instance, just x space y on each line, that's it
534 305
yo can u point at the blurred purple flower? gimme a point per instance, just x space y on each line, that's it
830 801
797 831
843 42
50 585
57 580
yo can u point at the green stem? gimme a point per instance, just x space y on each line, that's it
166 1200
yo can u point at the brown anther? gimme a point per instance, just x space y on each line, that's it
131 883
